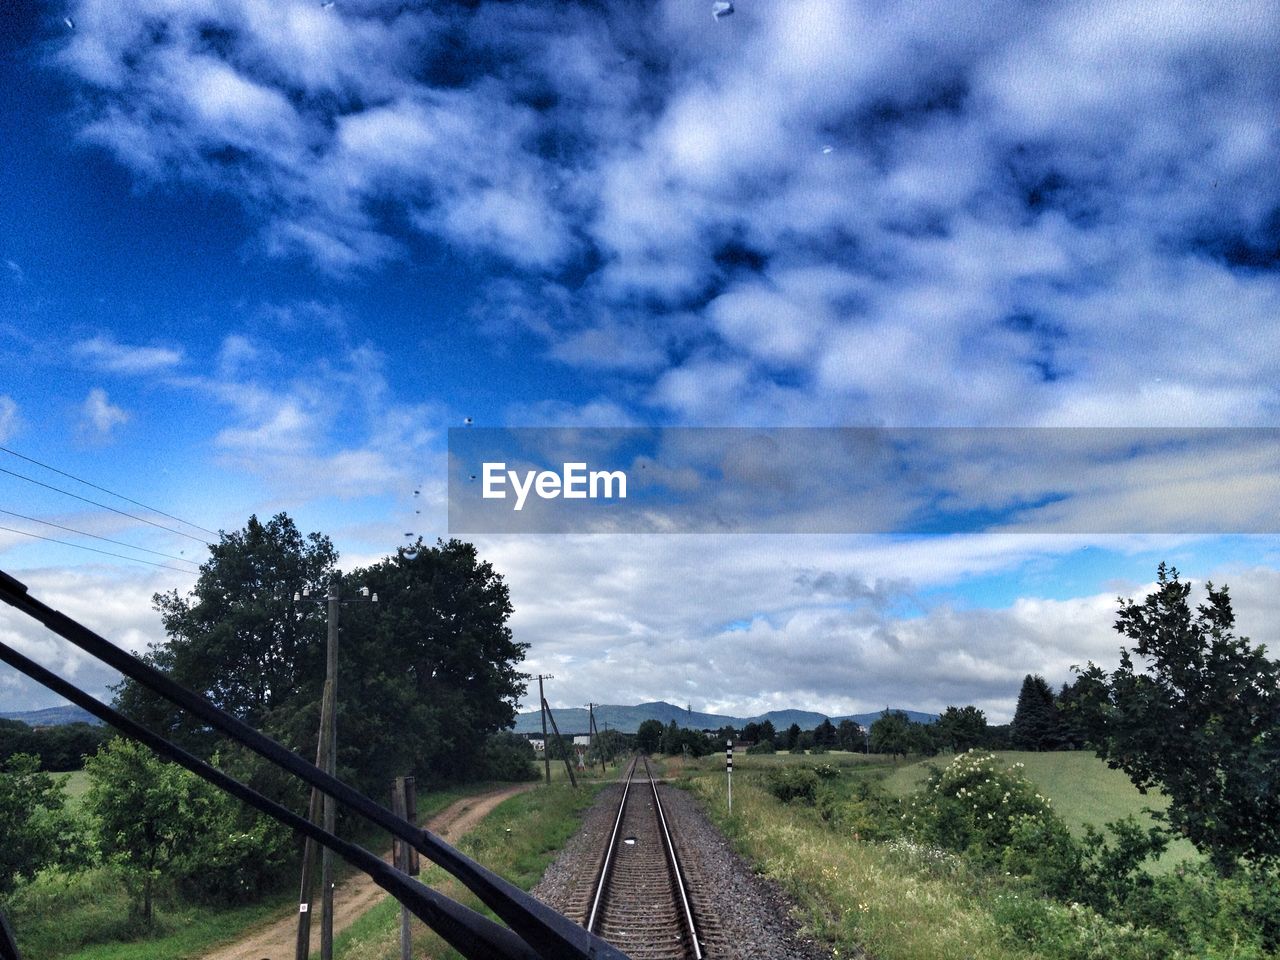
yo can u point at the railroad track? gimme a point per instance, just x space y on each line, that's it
640 901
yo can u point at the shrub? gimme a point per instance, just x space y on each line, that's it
794 785
764 746
507 756
972 805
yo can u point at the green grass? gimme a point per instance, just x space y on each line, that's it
77 783
856 896
1083 789
88 917
517 840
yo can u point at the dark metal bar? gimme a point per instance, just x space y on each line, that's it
8 945
551 934
473 935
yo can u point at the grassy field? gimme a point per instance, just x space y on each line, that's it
1084 790
517 840
76 785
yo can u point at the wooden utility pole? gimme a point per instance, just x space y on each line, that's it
402 861
326 760
331 768
302 948
595 734
546 744
567 765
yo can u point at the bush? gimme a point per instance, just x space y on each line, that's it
507 756
793 785
974 806
764 746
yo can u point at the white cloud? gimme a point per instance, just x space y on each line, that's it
99 417
9 419
103 353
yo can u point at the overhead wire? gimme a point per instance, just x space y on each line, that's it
123 513
85 533
81 546
88 483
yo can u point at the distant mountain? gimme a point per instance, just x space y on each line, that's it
52 716
573 720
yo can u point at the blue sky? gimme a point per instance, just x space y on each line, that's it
261 255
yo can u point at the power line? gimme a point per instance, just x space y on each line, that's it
81 546
84 533
123 513
87 483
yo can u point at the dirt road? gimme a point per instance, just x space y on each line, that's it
358 893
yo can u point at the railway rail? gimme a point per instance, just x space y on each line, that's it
641 900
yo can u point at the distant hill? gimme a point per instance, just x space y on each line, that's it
628 719
52 716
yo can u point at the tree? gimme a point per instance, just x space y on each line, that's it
1200 719
649 736
1036 724
428 672
961 728
767 732
751 732
238 638
36 831
849 736
891 733
824 734
792 736
147 811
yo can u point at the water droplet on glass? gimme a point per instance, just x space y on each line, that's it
721 8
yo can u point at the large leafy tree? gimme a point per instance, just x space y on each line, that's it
961 728
428 672
1197 716
239 639
891 733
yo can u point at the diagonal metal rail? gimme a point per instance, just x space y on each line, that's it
551 935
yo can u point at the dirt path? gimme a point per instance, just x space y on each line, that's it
358 893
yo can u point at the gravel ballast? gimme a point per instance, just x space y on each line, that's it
741 915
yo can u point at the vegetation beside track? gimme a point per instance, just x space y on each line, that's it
88 915
857 860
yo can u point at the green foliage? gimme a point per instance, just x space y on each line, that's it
1036 724
679 740
791 739
424 676
62 747
160 823
1200 718
974 805
508 756
961 728
147 812
891 733
649 736
763 747
850 736
793 784
36 831
238 638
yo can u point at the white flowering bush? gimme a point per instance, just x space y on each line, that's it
975 804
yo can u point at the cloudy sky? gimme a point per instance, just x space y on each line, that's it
259 255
